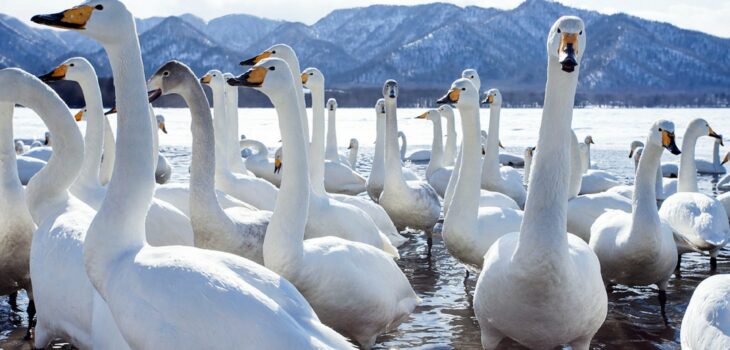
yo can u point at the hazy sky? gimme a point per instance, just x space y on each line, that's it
709 16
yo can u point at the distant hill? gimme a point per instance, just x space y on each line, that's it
628 61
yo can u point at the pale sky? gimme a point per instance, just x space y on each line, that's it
709 16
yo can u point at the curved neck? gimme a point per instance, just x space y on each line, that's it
403 146
283 246
110 151
331 151
644 209
258 146
219 126
93 140
233 150
491 164
576 166
450 147
299 95
437 148
393 171
465 203
353 157
49 187
716 154
378 167
687 181
545 220
449 195
316 149
155 137
11 190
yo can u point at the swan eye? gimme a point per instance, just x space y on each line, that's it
660 129
581 33
463 89
165 73
559 31
311 73
272 68
214 75
99 7
71 65
273 52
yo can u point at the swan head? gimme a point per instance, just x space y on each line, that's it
215 79
19 147
331 105
354 144
102 20
172 77
79 116
662 135
700 127
380 107
277 160
432 115
282 51
446 111
390 90
634 146
269 76
566 42
161 123
589 140
529 152
492 97
471 74
462 93
312 77
75 69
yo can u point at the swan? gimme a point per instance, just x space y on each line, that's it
664 187
354 288
313 79
594 181
165 224
352 149
670 170
705 323
16 223
235 163
699 222
326 216
724 183
339 177
469 230
107 159
248 189
437 174
259 162
713 167
419 156
163 172
638 248
450 149
217 296
529 154
413 204
541 286
504 180
585 153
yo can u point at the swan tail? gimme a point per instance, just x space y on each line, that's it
388 247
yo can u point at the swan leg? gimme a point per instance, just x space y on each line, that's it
31 319
13 301
429 242
662 296
713 260
491 337
677 270
581 343
466 278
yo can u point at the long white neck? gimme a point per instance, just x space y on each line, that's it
129 192
93 140
450 147
49 187
219 126
353 156
331 151
528 165
576 166
283 245
233 149
403 146
490 167
393 170
588 156
11 190
299 90
716 154
544 225
155 137
316 150
110 153
687 167
449 195
644 211
378 168
465 203
437 148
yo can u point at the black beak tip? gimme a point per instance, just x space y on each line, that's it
233 82
248 62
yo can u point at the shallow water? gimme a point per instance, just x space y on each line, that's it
445 319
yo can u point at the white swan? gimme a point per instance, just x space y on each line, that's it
638 248
413 204
352 150
450 149
724 183
594 181
664 187
313 79
583 210
418 156
259 162
216 295
585 153
529 154
327 217
713 167
541 286
353 287
165 224
163 171
233 149
339 177
437 174
699 222
249 189
469 230
706 322
16 224
504 180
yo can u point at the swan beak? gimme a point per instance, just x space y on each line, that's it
111 111
153 95
500 145
488 100
726 158
254 77
162 127
277 166
305 78
591 142
74 18
79 115
422 116
253 60
631 153
57 74
712 133
206 79
451 97
567 51
349 147
484 152
668 142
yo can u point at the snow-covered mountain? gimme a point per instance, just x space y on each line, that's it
423 46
